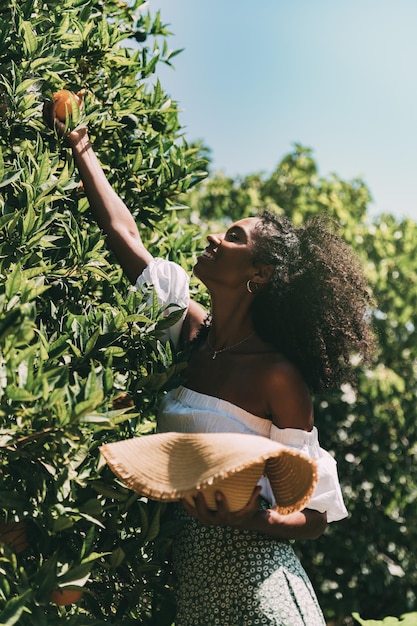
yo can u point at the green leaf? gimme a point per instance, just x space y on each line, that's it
14 282
14 608
25 85
172 318
150 67
110 491
10 178
117 557
138 160
87 406
29 38
408 619
29 221
9 323
92 342
155 524
144 519
19 394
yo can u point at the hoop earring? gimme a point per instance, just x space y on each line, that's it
249 288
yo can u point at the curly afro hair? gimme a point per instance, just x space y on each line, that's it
316 307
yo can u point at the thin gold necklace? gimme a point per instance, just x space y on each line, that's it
235 345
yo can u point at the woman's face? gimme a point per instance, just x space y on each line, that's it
228 258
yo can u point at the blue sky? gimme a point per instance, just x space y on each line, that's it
337 76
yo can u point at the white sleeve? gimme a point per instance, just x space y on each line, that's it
171 284
327 496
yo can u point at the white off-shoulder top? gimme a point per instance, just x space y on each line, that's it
186 410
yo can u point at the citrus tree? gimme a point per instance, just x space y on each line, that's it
82 356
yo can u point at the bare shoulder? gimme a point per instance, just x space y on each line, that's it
288 397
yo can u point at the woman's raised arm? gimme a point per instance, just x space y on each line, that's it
110 212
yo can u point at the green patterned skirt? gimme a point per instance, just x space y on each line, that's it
230 577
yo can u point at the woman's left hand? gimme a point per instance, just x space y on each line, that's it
223 516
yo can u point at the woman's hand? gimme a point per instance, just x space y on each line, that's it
223 516
53 115
305 524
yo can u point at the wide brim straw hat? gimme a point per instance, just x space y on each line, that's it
170 466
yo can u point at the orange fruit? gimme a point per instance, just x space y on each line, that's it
63 597
14 535
65 101
122 401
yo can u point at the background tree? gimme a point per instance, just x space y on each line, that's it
371 431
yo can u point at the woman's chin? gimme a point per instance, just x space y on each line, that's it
197 267
198 272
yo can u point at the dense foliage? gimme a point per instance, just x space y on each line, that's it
83 359
81 354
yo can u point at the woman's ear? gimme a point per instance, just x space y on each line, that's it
263 274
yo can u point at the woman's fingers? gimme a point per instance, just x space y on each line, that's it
253 503
56 117
222 516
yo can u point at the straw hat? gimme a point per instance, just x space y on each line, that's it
170 466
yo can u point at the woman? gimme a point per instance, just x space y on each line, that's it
287 311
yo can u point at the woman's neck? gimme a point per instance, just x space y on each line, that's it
230 323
